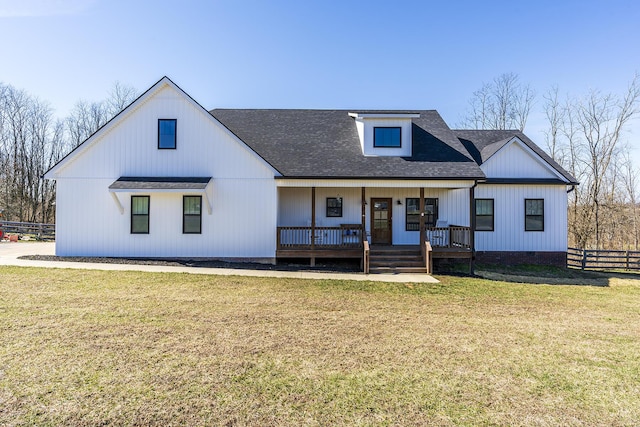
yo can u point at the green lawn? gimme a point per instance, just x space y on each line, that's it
126 348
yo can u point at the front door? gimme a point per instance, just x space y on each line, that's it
381 221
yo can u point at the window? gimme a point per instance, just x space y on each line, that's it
484 214
139 214
533 214
167 133
334 207
412 222
192 214
387 137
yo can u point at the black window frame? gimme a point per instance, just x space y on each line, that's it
148 214
493 214
185 215
175 135
426 223
540 216
334 211
375 128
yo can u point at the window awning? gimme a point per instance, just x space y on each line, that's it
158 183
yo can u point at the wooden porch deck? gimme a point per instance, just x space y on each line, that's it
347 241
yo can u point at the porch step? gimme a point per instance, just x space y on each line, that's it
394 251
394 260
413 262
396 270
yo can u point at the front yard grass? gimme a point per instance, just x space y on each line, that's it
128 348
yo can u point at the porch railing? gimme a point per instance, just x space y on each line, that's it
454 236
427 255
366 257
342 237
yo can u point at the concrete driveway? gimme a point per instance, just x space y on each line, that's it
9 253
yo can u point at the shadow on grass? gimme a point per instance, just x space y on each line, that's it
342 266
538 274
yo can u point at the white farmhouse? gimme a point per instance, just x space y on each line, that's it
167 178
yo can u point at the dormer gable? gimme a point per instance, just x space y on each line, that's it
385 133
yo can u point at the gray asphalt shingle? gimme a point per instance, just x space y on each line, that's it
324 143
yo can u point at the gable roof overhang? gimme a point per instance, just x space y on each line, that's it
492 150
122 115
483 144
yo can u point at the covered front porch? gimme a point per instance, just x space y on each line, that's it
338 219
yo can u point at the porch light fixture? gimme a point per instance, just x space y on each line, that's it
399 202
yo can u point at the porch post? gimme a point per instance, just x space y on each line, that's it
421 204
363 201
313 226
472 225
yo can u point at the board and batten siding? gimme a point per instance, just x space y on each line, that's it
294 207
517 161
509 233
243 192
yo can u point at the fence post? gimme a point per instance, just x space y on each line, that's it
627 260
584 259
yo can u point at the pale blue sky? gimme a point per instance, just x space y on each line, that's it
319 54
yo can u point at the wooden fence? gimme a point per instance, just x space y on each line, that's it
31 229
586 259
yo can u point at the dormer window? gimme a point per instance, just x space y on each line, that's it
385 133
387 137
167 129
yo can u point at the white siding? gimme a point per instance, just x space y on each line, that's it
517 161
295 208
509 234
365 132
243 192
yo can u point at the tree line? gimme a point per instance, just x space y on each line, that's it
32 140
587 135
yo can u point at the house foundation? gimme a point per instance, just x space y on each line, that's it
556 259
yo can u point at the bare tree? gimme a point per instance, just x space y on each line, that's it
587 137
555 115
631 176
87 117
120 97
601 120
505 103
30 143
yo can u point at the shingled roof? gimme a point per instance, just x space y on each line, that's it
325 144
482 144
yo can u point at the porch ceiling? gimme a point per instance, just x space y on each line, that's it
374 183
